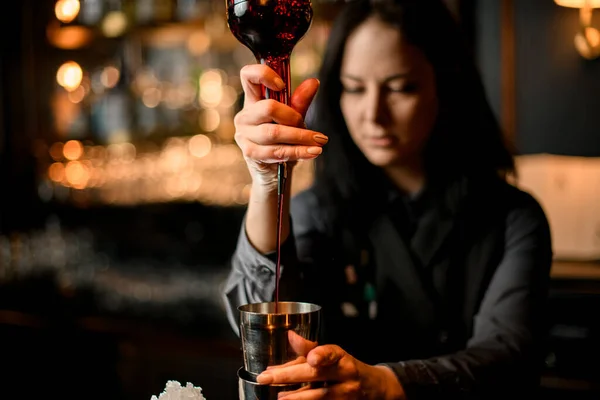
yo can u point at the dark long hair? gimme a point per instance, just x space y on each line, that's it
466 141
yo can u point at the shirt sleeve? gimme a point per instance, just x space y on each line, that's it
252 275
502 356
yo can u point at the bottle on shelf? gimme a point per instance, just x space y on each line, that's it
90 12
112 112
191 10
153 12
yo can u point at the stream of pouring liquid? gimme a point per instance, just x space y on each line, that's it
281 181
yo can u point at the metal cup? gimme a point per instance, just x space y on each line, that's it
265 334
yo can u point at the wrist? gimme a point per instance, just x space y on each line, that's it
391 387
263 193
265 186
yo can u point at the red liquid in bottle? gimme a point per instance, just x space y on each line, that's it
271 29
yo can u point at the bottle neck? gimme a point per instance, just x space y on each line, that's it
123 64
281 65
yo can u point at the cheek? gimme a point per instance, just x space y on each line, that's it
416 117
346 107
350 112
428 115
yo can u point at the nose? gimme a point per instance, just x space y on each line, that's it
375 106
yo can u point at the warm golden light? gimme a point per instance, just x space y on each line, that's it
593 36
114 24
210 87
211 76
184 168
69 75
77 174
68 37
587 43
110 76
587 40
226 130
578 3
56 172
199 146
211 94
151 97
66 10
145 79
73 150
209 120
56 151
121 153
77 95
229 96
198 43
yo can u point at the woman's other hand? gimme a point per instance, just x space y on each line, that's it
346 377
269 132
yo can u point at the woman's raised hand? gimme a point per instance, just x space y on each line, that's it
269 132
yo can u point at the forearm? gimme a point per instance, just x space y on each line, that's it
252 275
392 388
262 216
484 372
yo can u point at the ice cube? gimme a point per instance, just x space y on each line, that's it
174 391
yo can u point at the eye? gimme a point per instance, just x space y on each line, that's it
402 88
351 89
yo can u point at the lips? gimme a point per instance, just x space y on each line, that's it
382 141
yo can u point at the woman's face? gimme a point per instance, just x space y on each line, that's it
389 99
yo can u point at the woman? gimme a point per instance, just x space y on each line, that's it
432 270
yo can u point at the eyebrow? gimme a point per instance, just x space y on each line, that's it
402 75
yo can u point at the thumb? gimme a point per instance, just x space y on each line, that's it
300 345
303 95
325 355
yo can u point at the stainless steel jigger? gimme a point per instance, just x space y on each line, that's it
265 342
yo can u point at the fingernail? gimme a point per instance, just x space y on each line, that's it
321 139
264 378
279 83
314 150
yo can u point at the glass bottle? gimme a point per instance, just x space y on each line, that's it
113 113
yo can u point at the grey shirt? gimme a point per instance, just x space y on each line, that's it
460 301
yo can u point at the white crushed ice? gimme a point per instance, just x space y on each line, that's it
174 391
